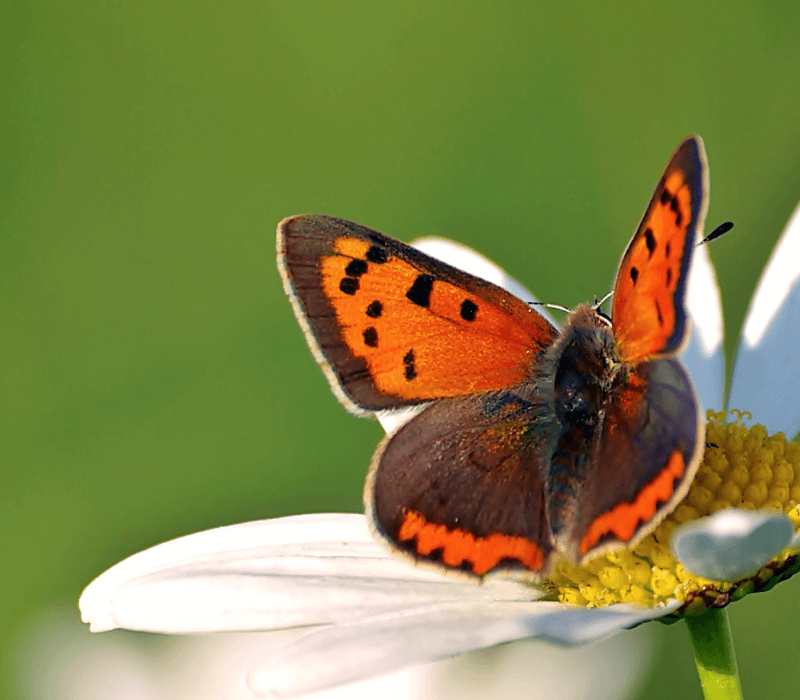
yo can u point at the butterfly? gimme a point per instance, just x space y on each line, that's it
532 443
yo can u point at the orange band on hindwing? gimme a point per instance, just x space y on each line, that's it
458 547
623 520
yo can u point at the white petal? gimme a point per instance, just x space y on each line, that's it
392 420
341 654
732 543
795 543
535 670
468 260
704 357
767 370
54 659
271 574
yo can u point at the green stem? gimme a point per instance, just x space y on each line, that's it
713 654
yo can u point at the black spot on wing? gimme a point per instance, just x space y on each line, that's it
355 268
349 285
408 362
634 275
666 195
376 254
468 310
673 205
420 292
371 337
650 241
375 309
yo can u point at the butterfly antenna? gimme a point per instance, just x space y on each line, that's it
721 230
558 307
599 303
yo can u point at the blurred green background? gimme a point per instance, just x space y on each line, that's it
154 381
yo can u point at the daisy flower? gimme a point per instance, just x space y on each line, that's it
368 613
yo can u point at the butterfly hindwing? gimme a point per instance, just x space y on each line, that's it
648 306
461 484
392 326
649 450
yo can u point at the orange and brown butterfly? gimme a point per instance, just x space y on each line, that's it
533 443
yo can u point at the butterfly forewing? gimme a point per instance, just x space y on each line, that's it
648 306
392 326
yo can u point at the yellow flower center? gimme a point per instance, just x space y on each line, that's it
742 468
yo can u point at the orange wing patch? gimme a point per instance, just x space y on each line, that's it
393 327
459 547
648 308
411 327
422 337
